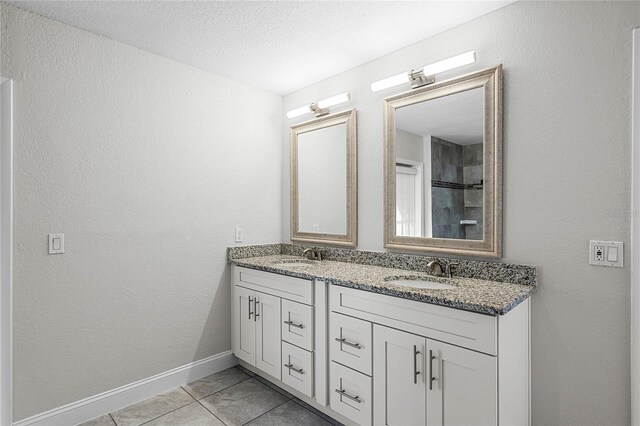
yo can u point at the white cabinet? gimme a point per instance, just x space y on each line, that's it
350 342
370 358
464 386
243 338
399 378
268 345
351 394
256 329
273 327
419 381
434 365
297 368
297 324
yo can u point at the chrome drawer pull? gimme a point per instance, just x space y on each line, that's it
431 378
416 352
250 313
344 393
346 342
293 324
297 370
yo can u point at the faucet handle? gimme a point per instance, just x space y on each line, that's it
449 266
312 253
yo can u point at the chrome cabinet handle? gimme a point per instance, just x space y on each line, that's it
255 309
250 313
297 370
344 393
291 367
293 324
346 342
416 352
431 378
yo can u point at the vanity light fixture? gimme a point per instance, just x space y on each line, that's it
320 108
426 74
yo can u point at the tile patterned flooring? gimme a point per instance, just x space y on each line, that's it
231 397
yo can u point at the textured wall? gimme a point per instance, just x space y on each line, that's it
146 165
566 180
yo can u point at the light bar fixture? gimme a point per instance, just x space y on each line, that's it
320 108
426 74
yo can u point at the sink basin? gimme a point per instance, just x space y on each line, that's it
418 283
294 262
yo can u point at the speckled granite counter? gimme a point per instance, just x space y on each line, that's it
476 295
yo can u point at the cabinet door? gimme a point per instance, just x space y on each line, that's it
464 386
399 379
243 324
268 344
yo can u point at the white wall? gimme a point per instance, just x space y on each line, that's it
408 146
567 131
146 165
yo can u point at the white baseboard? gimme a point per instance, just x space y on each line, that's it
106 402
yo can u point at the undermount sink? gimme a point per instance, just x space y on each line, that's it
294 262
419 283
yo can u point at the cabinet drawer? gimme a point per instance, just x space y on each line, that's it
461 328
291 288
350 341
297 324
297 368
351 394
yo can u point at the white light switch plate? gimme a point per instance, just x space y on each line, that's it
56 243
606 253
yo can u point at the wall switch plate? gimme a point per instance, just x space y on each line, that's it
56 243
606 253
239 235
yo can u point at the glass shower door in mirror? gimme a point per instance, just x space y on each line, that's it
439 176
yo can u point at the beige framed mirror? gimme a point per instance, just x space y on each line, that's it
443 167
324 180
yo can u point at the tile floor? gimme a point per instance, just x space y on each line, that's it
232 397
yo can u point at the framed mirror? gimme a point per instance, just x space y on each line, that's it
324 180
443 167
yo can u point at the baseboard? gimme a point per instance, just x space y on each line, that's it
94 406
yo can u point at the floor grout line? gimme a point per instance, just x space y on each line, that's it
203 406
169 412
112 419
266 412
242 381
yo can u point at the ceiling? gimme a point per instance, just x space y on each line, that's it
278 46
457 118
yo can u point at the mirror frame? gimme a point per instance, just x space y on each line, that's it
491 245
350 238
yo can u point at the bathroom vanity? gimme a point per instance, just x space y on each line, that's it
366 346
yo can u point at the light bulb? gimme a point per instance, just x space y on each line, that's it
334 100
390 82
449 64
298 111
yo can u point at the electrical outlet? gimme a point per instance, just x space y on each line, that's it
239 235
598 252
606 253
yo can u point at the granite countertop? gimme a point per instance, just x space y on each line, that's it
482 296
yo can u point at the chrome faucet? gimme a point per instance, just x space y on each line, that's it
312 254
435 268
450 265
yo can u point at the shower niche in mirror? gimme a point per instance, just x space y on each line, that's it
443 167
324 180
